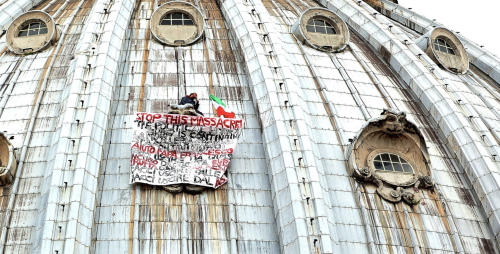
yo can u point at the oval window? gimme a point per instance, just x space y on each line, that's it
391 162
35 28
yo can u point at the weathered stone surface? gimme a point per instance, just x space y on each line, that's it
392 133
312 123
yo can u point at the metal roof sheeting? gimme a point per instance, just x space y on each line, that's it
289 189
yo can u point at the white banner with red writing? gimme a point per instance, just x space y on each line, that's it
181 149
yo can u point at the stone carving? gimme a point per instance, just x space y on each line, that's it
186 109
395 192
8 161
394 122
392 133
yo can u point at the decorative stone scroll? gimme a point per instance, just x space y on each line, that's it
8 161
182 151
394 134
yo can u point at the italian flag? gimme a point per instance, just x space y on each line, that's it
221 108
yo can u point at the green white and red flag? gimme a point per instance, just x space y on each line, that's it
221 108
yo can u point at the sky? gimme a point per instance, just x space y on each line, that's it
477 20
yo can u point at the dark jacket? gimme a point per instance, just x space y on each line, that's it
186 100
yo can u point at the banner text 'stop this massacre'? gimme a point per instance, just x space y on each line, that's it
181 149
191 120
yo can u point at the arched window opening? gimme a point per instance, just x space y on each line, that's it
391 162
35 28
177 19
320 26
443 46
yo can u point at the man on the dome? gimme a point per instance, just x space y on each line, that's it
193 100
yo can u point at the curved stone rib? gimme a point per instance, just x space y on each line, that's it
11 10
272 78
79 218
469 150
479 56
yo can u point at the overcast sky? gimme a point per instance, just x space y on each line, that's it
477 20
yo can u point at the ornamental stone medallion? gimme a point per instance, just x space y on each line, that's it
390 152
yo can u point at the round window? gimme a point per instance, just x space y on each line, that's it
391 162
321 29
31 32
177 23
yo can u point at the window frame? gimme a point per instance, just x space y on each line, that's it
169 18
392 163
312 23
27 28
439 44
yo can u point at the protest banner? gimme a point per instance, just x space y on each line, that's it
181 149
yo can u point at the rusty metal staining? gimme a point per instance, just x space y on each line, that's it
386 54
392 58
32 72
67 109
403 99
393 136
158 221
374 3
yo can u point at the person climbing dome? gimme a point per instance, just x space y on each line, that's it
191 99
